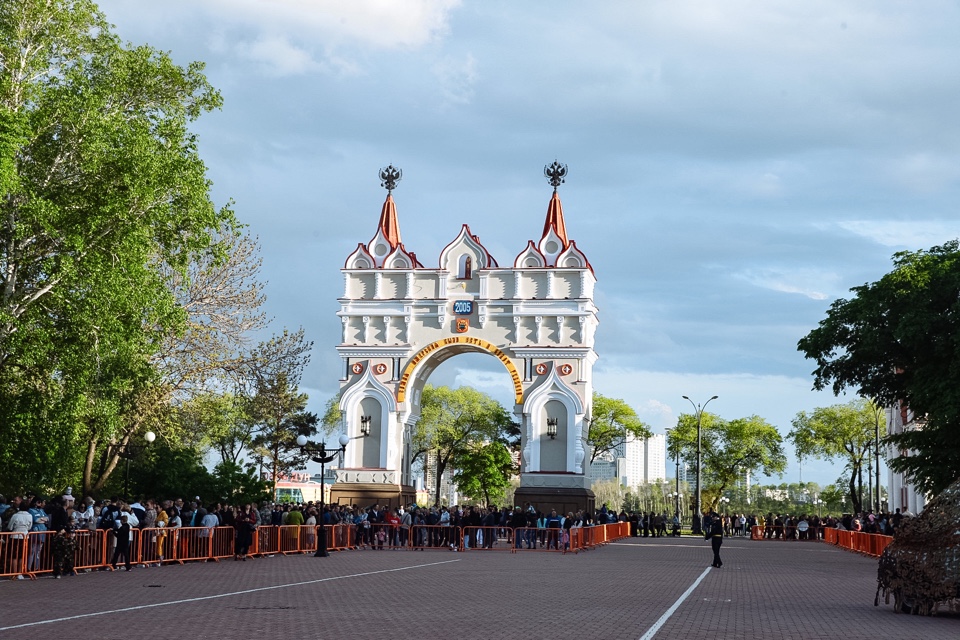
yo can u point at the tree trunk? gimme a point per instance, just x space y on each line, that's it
853 491
440 469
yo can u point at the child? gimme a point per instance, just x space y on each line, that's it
381 537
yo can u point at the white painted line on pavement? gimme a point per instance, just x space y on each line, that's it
220 595
652 631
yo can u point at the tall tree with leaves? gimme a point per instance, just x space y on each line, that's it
613 423
103 196
730 449
280 413
896 340
844 431
454 421
484 470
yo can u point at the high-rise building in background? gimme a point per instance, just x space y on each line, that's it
633 462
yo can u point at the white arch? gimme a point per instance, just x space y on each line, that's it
553 388
368 386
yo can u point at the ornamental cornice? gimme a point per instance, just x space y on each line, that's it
553 352
374 352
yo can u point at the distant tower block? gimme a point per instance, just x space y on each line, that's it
401 320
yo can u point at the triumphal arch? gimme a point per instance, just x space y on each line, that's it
401 319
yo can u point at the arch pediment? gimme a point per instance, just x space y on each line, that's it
400 259
529 258
360 259
551 245
553 387
573 258
364 386
465 244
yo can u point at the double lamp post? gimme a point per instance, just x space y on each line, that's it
697 509
319 453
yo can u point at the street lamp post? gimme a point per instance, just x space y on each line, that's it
697 515
876 456
676 491
319 453
128 452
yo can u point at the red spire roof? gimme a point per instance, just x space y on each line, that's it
390 225
555 220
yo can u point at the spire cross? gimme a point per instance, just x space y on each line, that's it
389 178
555 174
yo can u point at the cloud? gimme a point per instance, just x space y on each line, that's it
370 23
457 79
806 282
278 56
913 234
926 172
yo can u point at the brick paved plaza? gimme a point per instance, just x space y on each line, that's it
766 590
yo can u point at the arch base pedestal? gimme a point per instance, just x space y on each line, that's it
563 499
367 494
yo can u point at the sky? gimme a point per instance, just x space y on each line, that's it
734 167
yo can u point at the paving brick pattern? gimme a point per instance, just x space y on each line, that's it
765 590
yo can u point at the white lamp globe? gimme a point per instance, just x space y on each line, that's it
343 439
301 441
149 436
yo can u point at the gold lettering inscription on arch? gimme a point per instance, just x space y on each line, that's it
448 342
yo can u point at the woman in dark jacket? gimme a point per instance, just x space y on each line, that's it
244 524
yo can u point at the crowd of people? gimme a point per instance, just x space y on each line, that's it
375 527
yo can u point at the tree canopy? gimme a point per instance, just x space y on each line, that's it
613 422
127 298
730 448
896 341
845 431
454 424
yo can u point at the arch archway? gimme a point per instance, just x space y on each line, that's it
401 320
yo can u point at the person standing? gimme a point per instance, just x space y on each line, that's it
715 536
122 550
245 523
38 529
64 552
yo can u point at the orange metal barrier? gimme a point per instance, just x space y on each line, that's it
290 539
539 539
435 536
91 550
762 532
484 539
871 544
266 540
381 535
13 554
340 537
192 543
31 554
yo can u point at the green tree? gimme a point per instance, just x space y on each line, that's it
332 416
844 431
896 341
452 422
613 422
279 410
730 449
484 471
608 492
237 485
103 197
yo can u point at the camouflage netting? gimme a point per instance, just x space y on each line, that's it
921 567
